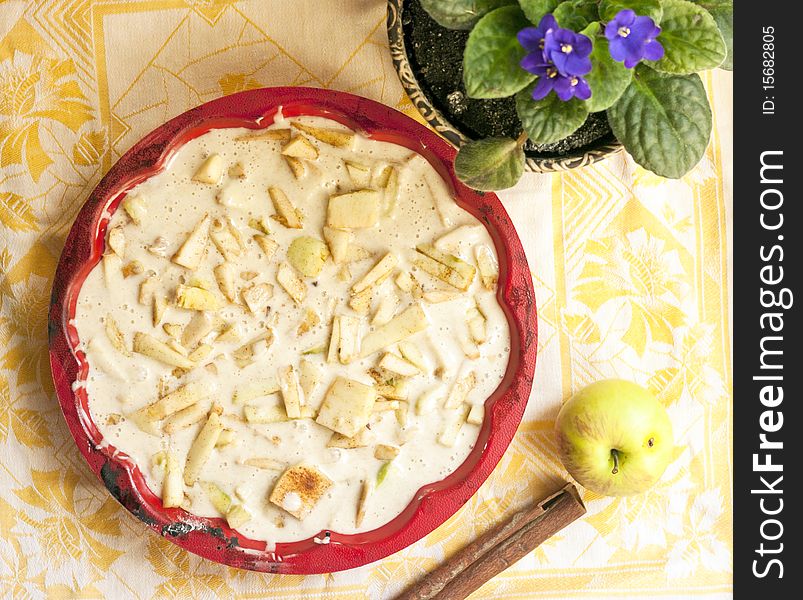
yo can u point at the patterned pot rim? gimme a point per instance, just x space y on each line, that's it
581 157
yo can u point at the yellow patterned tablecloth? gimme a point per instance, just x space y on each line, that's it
631 275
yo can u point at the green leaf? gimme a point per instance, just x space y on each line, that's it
691 39
664 121
491 164
722 11
460 14
576 14
535 9
550 119
382 473
608 9
608 78
492 56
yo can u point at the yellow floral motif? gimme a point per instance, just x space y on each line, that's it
183 574
27 352
89 148
36 93
635 268
16 213
232 83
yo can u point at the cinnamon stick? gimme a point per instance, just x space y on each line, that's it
499 548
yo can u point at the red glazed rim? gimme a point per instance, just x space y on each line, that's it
211 537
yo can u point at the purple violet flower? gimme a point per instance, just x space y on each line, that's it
566 86
568 51
632 38
559 57
532 40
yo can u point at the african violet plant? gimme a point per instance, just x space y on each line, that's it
563 59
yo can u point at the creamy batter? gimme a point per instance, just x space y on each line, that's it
423 422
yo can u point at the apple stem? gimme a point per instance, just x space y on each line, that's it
615 454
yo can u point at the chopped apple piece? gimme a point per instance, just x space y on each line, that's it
219 499
357 253
476 414
268 245
452 426
176 345
334 137
446 267
112 266
210 171
134 206
292 394
255 389
299 489
334 341
395 364
237 515
173 330
427 401
300 147
308 255
412 353
358 440
489 270
365 492
360 174
158 309
199 326
350 328
383 176
200 353
460 390
386 309
248 275
476 325
173 484
286 213
175 401
408 283
244 355
133 268
310 376
311 319
237 171
268 464
257 296
297 167
344 273
346 406
361 302
263 415
386 452
390 385
261 224
354 210
196 298
291 283
438 296
225 239
338 241
159 247
191 252
228 333
116 240
266 135
185 417
407 323
116 336
148 288
202 447
224 275
227 437
377 274
391 192
153 348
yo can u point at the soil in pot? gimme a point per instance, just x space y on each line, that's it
436 57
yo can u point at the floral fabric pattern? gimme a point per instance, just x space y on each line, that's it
630 271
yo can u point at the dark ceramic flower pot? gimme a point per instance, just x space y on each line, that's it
428 60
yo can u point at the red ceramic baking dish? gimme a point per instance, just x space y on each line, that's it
211 537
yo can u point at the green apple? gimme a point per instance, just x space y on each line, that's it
614 437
